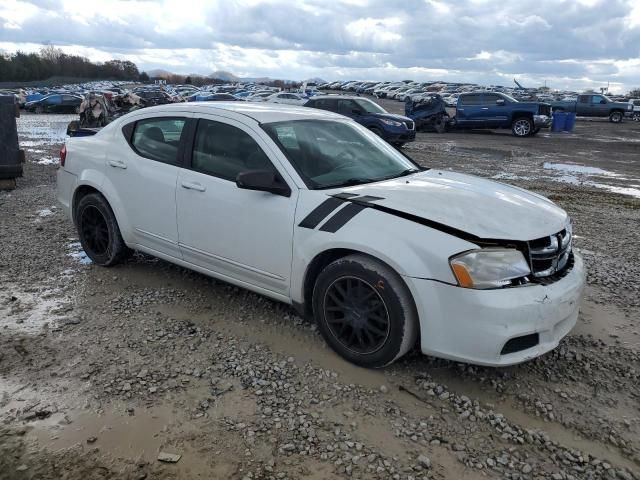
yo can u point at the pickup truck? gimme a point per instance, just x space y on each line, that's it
595 106
497 110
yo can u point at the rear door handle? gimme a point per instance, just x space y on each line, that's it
117 164
193 186
485 108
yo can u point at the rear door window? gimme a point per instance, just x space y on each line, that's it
158 138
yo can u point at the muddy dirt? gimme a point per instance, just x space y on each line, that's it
103 369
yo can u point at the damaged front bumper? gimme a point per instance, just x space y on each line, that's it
541 121
497 327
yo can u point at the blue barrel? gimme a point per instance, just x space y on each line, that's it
570 122
559 120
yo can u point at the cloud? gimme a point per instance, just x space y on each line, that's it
567 43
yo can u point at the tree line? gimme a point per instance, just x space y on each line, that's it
53 62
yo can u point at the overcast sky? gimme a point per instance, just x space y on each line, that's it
573 44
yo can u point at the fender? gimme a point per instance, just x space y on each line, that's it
97 180
412 253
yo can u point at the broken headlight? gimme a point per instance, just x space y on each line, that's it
489 267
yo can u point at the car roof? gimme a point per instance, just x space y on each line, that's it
260 112
338 97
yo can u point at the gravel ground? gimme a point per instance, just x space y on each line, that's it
103 369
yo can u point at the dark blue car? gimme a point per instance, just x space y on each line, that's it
395 129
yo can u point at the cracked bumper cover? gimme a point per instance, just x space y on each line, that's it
541 121
474 325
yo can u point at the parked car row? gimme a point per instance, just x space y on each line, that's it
449 92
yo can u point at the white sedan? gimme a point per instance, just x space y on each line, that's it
309 208
287 98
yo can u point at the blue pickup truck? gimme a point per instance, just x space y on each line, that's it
497 110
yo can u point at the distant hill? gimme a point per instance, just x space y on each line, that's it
223 75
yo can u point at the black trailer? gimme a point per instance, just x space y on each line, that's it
11 157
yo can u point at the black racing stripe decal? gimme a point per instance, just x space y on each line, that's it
321 212
336 222
345 195
444 228
365 199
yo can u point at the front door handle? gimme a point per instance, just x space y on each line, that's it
118 164
193 186
485 108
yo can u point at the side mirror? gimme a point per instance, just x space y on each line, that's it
263 181
500 101
603 102
355 111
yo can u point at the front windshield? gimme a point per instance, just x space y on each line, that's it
330 154
368 106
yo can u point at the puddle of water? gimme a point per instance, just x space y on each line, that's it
30 311
580 169
38 130
120 434
602 321
575 174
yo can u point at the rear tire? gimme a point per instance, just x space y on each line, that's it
99 232
364 311
39 109
522 127
616 117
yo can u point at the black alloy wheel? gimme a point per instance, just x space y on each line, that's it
99 232
95 231
365 311
356 315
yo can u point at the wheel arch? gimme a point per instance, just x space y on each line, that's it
326 257
521 114
91 184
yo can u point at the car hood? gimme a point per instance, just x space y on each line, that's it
480 207
390 116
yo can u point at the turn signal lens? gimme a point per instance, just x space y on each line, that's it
462 275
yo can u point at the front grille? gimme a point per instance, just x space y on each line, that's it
550 256
410 125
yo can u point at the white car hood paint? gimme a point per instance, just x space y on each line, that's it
483 208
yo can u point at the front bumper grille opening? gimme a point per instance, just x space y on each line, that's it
550 256
519 344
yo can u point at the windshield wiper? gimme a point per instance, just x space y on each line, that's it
404 173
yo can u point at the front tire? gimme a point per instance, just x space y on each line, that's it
364 311
615 117
522 127
99 232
